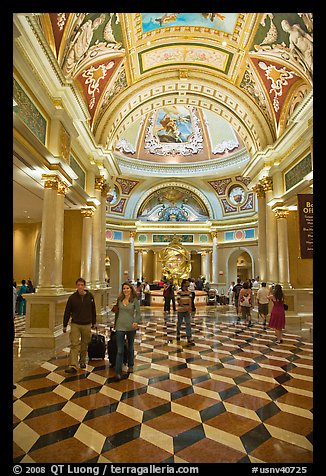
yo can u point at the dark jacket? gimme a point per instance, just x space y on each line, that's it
81 309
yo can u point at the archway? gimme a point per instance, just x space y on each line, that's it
114 271
240 264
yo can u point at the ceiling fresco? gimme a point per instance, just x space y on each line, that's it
120 64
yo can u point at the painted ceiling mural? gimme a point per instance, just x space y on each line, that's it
107 54
175 204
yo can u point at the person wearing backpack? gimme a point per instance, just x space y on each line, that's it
245 302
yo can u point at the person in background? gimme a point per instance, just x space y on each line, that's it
172 295
245 303
184 308
167 296
236 291
30 287
138 289
13 316
277 318
262 302
192 289
81 309
231 293
147 291
254 288
126 324
21 300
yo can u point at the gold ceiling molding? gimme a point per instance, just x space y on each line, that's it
237 110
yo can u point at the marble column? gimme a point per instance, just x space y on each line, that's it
283 248
51 246
203 264
262 270
140 264
104 192
97 234
214 259
45 308
271 233
86 251
208 267
132 256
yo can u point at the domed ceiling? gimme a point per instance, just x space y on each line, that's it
179 88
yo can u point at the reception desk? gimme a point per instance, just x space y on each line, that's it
156 298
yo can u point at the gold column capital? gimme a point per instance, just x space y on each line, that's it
259 190
105 190
132 234
267 183
62 188
50 181
99 182
87 212
214 234
281 212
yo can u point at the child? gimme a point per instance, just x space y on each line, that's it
184 308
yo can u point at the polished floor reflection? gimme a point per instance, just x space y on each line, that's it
235 396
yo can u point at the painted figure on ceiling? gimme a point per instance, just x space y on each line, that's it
301 44
80 44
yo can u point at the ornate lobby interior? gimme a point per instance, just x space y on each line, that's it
133 132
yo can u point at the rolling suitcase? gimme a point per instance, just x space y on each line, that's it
96 347
112 349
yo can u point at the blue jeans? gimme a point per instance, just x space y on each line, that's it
187 318
120 346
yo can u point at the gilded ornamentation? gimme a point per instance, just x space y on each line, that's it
267 183
87 212
259 190
281 213
176 261
99 182
62 188
50 181
65 142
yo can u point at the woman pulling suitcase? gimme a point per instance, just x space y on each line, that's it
126 323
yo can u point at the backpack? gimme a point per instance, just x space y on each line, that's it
245 300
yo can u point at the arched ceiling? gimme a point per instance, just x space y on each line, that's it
182 88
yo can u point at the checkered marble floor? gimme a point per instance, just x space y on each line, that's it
234 397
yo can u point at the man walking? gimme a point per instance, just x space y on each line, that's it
81 308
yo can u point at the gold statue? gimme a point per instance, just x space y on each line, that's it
176 261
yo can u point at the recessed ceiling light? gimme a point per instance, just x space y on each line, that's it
148 43
224 43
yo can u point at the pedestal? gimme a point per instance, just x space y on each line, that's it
44 318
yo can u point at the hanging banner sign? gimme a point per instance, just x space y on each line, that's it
305 211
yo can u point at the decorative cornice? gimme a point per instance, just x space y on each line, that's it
210 167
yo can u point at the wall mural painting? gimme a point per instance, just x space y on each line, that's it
219 21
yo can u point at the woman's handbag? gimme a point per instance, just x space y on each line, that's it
115 308
286 307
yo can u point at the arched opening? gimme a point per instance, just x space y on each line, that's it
113 270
